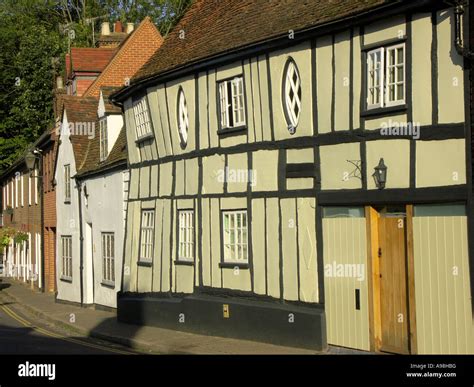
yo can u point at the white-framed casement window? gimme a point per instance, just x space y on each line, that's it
67 183
17 191
186 235
235 236
66 257
147 235
142 118
108 257
232 108
104 151
292 95
386 80
22 190
29 189
183 118
35 185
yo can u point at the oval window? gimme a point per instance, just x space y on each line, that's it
183 120
292 95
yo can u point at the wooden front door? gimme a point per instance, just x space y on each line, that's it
392 255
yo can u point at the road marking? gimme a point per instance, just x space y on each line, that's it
26 323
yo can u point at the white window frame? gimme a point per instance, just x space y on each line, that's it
389 50
233 238
66 257
235 108
383 67
183 118
147 235
142 118
103 140
290 85
67 183
22 191
108 257
16 190
35 185
29 189
186 235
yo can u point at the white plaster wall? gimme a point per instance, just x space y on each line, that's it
67 220
104 211
114 126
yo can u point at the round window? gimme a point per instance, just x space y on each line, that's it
292 95
183 120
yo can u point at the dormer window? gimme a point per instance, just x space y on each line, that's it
104 151
386 76
142 119
231 97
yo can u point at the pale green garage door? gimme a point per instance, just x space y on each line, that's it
345 277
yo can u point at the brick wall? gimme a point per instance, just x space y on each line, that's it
134 53
26 213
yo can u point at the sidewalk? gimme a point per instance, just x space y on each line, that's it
103 325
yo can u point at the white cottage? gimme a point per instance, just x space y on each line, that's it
104 182
78 126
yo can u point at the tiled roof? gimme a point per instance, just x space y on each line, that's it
109 106
212 27
117 155
81 110
82 59
114 38
132 54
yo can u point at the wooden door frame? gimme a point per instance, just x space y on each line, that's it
373 270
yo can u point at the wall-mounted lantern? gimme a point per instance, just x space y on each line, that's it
30 160
380 175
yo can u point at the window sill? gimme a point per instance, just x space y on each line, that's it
67 201
145 263
66 279
182 262
236 131
233 265
146 137
385 111
108 284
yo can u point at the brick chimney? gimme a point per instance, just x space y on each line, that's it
118 26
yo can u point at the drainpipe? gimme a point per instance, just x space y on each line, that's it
81 241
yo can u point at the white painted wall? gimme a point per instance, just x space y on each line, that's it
67 220
114 123
104 210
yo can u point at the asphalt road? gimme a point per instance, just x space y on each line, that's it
22 334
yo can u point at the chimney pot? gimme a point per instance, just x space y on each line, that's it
118 26
59 82
105 30
130 27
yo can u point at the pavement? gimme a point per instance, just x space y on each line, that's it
103 325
